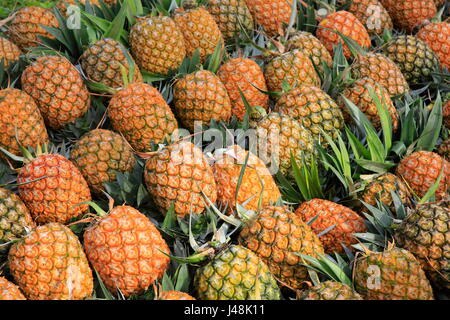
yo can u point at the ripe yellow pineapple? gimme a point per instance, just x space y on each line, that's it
127 250
359 94
293 67
141 115
382 70
271 14
345 222
103 61
345 23
100 155
257 183
9 52
21 121
276 235
244 75
202 97
314 109
49 264
179 174
436 36
26 26
58 89
330 290
157 44
409 14
9 291
200 31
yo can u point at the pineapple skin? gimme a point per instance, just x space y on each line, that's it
372 14
180 173
294 67
271 14
345 23
330 290
9 291
244 75
382 70
124 247
201 96
57 269
425 233
20 119
359 94
436 36
102 62
311 46
416 60
174 295
400 276
275 235
217 279
58 89
314 109
408 14
25 28
228 15
157 45
100 155
140 113
444 149
9 52
15 217
55 196
346 221
257 181
421 169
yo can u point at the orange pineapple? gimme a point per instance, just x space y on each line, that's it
271 14
174 295
409 14
437 37
372 14
9 291
9 52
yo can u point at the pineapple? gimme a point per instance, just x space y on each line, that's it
200 31
276 235
103 61
311 46
62 5
9 52
330 290
372 14
345 23
26 26
49 264
179 174
244 75
141 115
382 70
21 121
100 155
436 36
280 135
409 14
230 15
421 169
127 250
444 149
257 185
236 273
425 232
201 97
380 189
446 114
9 291
52 188
394 274
314 109
58 89
157 44
15 218
359 94
416 60
293 67
174 295
345 222
271 14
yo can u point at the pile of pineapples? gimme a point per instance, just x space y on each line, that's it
108 190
